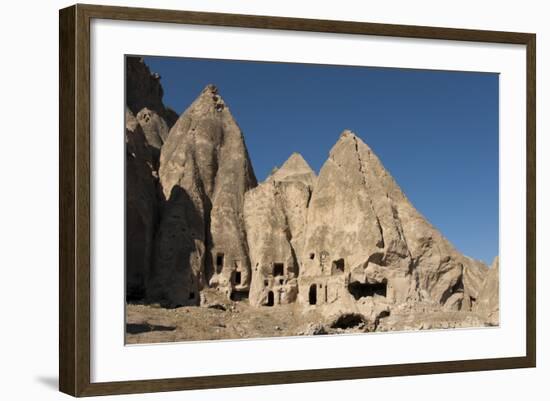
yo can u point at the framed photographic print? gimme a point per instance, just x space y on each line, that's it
250 200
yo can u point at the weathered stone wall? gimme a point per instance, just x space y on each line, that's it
141 209
359 216
488 298
147 124
275 214
352 223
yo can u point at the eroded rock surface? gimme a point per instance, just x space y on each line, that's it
487 301
147 124
365 239
275 217
204 173
144 90
474 276
141 209
144 99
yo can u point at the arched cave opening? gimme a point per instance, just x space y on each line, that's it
348 321
313 294
270 299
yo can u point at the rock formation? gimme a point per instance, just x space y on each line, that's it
144 99
347 244
275 216
141 209
365 239
474 275
487 301
204 173
147 124
143 90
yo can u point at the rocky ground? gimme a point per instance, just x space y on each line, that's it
220 319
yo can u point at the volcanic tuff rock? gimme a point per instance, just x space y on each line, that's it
474 275
488 296
275 217
204 173
153 126
143 90
363 234
144 99
147 124
141 208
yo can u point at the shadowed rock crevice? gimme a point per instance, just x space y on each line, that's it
148 122
141 209
179 253
348 320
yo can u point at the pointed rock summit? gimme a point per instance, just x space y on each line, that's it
364 239
294 169
275 217
204 173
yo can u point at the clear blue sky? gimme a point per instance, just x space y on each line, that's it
436 132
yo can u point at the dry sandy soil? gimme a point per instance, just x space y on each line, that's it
223 319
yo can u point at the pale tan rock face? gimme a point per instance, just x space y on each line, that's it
295 169
474 276
275 214
488 299
141 209
204 173
155 128
354 242
365 238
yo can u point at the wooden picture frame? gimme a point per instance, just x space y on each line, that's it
74 199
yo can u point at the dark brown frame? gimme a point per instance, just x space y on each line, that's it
74 199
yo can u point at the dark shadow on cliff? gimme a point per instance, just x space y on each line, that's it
141 212
179 239
143 89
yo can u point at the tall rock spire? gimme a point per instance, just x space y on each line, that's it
204 173
364 235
